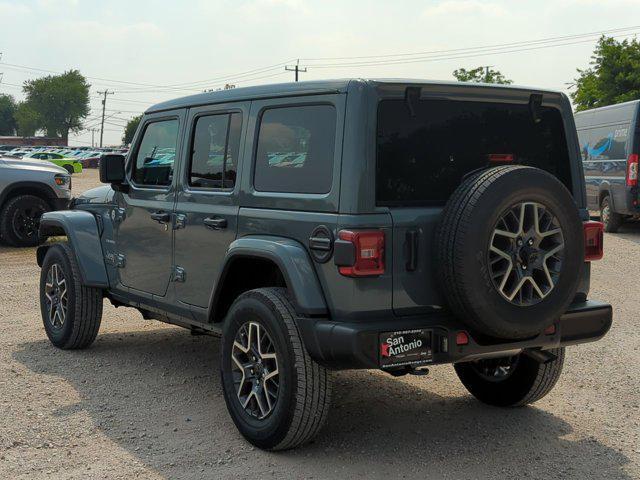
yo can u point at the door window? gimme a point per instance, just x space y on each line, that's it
214 152
156 154
295 149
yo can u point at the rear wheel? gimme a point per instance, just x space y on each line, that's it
71 312
511 381
20 220
277 396
611 220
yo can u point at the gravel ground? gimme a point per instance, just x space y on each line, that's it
145 401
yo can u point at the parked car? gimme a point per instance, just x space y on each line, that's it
384 225
90 159
71 165
27 190
610 144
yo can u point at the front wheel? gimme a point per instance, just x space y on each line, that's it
511 381
277 396
20 220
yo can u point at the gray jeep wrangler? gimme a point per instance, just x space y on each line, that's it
343 224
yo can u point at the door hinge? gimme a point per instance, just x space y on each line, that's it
180 221
118 214
179 274
115 259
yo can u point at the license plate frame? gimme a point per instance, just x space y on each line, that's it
405 347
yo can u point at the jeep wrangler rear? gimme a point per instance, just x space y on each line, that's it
327 225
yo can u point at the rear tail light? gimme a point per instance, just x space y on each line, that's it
367 258
593 240
462 338
632 170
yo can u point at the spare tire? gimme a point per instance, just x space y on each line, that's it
510 251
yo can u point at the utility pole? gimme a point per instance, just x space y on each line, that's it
104 104
486 73
296 68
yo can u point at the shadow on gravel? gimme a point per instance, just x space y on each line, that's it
629 231
156 394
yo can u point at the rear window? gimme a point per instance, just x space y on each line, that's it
423 157
295 149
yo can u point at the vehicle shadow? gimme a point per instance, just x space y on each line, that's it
156 394
629 231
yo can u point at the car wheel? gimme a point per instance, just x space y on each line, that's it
277 396
510 251
71 312
511 381
69 169
611 220
20 220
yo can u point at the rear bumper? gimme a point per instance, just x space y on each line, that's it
341 345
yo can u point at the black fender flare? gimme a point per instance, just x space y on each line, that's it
294 263
83 234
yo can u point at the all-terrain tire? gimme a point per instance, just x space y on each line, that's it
304 391
528 383
612 221
20 218
463 244
83 304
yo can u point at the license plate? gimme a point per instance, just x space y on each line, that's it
406 347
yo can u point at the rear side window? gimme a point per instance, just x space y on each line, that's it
605 143
295 149
214 151
423 154
157 153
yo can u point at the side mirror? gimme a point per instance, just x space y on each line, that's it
112 170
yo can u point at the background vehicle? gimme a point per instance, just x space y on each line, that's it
610 143
71 165
342 224
27 190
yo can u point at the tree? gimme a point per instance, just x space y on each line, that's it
130 129
27 120
614 75
7 115
481 75
60 102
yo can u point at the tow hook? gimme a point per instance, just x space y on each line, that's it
408 370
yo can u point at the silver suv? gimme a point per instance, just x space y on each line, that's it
29 188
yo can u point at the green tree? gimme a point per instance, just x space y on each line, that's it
481 75
7 115
130 129
614 75
27 120
60 102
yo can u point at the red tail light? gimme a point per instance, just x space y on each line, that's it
368 258
501 157
632 170
593 240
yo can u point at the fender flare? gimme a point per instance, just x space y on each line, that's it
81 229
294 263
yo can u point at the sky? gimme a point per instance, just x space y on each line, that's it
149 51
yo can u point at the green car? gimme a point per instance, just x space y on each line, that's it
71 165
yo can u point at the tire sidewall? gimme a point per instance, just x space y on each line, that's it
9 215
270 431
58 336
505 318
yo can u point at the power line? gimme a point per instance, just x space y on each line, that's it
296 68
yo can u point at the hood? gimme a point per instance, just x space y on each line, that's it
32 164
95 195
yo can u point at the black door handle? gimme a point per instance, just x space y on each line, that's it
215 223
161 217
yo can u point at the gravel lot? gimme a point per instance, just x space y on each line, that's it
145 401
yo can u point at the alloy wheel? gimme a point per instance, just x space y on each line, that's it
27 221
255 370
55 292
496 369
526 253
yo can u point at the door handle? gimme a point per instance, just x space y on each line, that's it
215 223
161 217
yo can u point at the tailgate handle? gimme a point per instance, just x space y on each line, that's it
411 243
